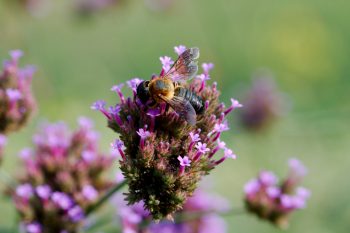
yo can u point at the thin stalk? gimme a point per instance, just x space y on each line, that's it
104 198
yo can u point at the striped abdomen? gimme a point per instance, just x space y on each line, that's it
194 99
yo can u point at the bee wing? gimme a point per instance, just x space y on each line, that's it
183 107
185 67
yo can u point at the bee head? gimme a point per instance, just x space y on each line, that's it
143 91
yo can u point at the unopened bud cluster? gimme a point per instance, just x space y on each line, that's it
64 175
274 201
162 156
16 100
263 103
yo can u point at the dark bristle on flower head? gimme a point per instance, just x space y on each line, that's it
162 156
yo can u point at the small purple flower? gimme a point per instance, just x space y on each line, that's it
85 123
297 167
202 147
133 83
33 227
303 193
234 104
119 145
88 156
179 49
166 63
268 178
43 191
194 137
221 144
287 201
24 191
221 127
16 54
3 141
99 105
143 133
184 161
62 200
273 192
229 154
252 187
13 94
76 213
207 67
90 193
203 77
117 88
114 110
25 153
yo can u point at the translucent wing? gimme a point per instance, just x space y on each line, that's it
185 67
183 107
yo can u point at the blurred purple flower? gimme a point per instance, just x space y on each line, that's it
274 202
17 102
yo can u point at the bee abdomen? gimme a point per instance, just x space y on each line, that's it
195 100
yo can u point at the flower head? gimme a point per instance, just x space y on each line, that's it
62 177
274 202
16 100
263 103
165 180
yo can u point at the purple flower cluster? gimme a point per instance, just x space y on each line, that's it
274 201
87 7
62 178
201 211
263 103
16 100
162 156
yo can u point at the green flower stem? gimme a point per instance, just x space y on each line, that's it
104 198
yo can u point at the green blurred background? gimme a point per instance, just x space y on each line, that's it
304 43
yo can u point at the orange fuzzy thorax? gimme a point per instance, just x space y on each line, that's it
162 86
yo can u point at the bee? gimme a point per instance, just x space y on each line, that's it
166 88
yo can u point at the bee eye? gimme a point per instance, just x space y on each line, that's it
146 83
